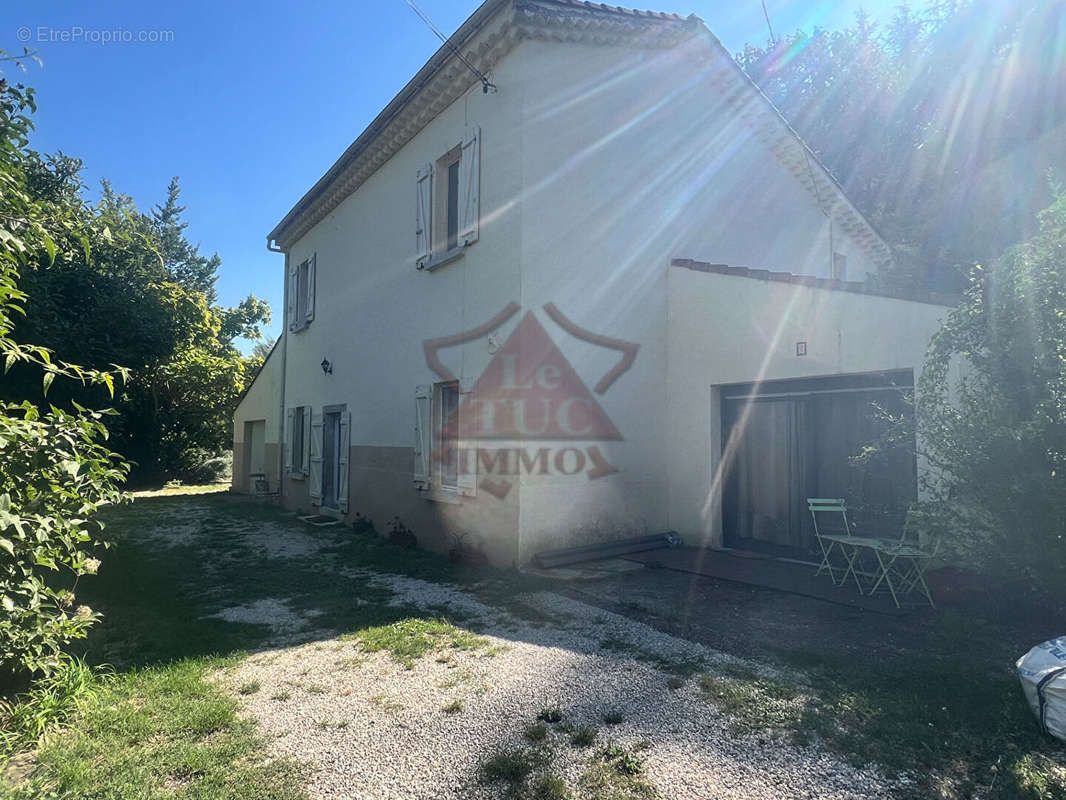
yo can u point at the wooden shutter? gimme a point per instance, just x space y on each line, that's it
290 306
342 461
423 433
316 458
306 463
467 442
469 183
424 215
290 435
309 300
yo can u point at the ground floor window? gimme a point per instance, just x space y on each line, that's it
785 441
299 423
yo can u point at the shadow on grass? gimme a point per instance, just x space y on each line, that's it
937 713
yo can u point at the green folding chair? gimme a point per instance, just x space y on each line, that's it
838 539
902 564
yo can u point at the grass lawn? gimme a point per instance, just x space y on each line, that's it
156 725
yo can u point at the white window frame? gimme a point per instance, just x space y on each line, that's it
434 247
429 436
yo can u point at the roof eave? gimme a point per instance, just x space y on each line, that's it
465 31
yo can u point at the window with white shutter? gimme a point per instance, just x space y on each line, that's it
301 299
448 203
469 185
423 214
298 422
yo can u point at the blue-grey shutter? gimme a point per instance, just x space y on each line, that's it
423 215
309 301
469 186
315 461
423 432
342 461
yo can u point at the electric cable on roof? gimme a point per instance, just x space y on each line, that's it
486 85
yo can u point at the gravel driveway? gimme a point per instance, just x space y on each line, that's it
368 726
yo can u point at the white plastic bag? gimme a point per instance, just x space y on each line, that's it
1043 674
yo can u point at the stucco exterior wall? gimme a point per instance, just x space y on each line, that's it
597 165
725 330
631 157
262 401
374 309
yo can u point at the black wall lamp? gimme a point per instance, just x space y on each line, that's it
327 368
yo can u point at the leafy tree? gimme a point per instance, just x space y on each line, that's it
992 412
934 123
128 287
54 469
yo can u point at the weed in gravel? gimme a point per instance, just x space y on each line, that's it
281 696
352 662
314 688
385 704
613 717
549 787
325 725
410 639
552 715
603 781
513 766
620 759
536 732
583 735
751 701
454 707
675 682
251 687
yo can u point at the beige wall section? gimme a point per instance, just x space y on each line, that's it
630 157
598 164
261 402
725 329
374 309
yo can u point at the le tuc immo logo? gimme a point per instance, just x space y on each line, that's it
529 412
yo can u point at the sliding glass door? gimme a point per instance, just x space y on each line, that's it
785 441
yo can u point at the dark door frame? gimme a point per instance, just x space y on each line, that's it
803 451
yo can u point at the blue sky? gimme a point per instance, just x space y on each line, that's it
249 103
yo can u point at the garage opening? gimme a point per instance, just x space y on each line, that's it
790 440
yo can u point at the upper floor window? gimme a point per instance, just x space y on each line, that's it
301 301
448 203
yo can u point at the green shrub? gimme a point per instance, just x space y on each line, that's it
54 471
992 415
54 474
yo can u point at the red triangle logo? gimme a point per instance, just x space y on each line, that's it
530 391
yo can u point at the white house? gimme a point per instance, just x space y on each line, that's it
510 319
